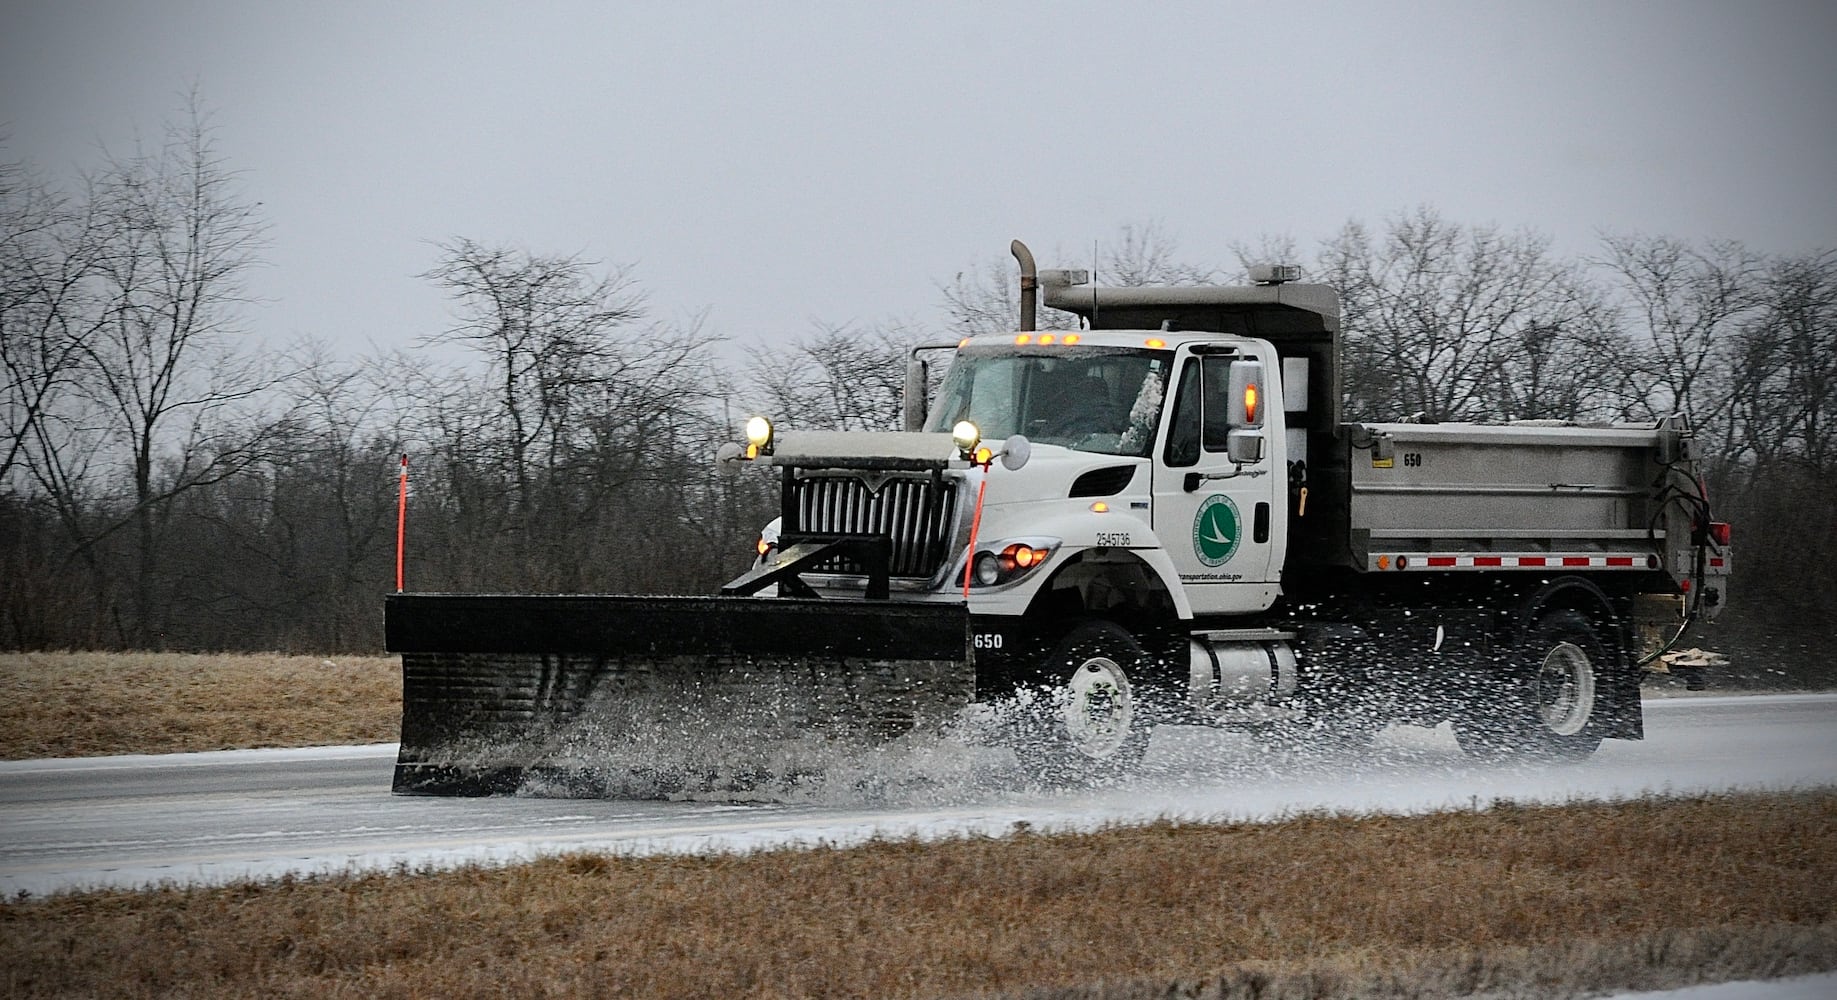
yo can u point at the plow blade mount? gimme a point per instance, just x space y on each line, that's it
653 696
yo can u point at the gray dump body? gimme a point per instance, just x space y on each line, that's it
1451 497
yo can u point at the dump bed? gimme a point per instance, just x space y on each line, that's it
1530 496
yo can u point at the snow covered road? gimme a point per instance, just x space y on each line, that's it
212 817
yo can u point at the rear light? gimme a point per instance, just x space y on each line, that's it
1720 533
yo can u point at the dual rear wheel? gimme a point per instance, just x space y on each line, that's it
1548 699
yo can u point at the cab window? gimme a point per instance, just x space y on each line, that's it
1202 410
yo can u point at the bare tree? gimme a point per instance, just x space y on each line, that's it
330 516
48 255
1440 318
544 326
1685 305
1783 378
587 411
838 378
984 297
118 314
1147 254
1570 362
1267 248
177 237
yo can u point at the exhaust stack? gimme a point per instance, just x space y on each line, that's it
1030 283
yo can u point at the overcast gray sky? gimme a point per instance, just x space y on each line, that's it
778 163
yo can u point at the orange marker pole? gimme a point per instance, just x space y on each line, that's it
401 523
969 559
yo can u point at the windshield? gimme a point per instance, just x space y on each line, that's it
1088 399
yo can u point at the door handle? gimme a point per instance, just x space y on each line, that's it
1193 479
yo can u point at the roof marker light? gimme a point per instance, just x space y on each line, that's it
1156 342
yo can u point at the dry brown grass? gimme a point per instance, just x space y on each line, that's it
79 704
1507 899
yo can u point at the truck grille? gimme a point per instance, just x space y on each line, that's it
916 513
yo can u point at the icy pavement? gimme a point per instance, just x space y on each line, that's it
130 821
1821 987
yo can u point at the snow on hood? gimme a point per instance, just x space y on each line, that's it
865 450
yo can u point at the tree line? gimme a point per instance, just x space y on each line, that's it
167 480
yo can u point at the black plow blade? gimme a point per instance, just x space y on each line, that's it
651 696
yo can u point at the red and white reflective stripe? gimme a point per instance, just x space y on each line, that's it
1552 561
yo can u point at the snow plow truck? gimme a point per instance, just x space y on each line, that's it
1155 515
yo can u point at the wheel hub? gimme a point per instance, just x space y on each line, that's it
1566 689
1101 709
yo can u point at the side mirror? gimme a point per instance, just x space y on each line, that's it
727 457
912 407
1246 388
1015 452
1244 447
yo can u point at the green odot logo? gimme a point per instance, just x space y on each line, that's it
1215 530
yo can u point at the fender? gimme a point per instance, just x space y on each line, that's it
1575 593
1153 562
1079 532
1169 575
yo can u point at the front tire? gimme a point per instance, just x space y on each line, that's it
1090 721
1549 700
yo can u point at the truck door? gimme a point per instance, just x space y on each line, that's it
1217 519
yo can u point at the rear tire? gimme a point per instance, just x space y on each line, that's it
1550 700
1089 722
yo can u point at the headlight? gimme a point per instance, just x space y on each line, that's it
768 540
966 436
1012 561
758 437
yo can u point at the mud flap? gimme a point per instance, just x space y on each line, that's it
648 696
